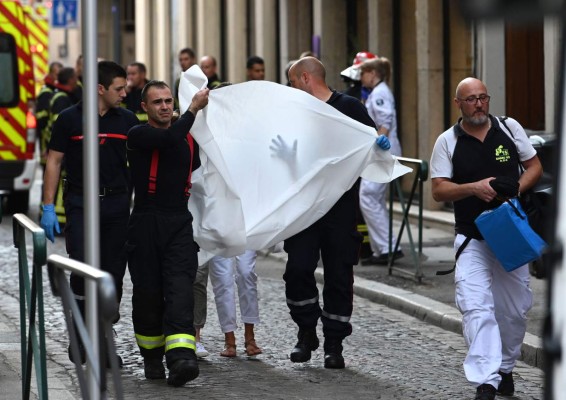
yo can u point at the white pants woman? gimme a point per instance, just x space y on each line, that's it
223 273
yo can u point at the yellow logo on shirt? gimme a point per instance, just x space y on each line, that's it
502 154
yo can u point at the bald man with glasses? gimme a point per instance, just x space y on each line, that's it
493 302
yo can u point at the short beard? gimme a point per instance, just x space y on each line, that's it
476 121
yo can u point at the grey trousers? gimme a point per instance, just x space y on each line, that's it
199 290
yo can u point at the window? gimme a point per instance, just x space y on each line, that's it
9 93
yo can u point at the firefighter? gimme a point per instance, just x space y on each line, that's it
114 122
42 108
63 98
136 81
162 255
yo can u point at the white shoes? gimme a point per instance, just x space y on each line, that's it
201 351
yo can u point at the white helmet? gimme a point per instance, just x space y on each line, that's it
354 72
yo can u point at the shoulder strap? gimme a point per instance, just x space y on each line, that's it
155 161
458 252
502 120
153 172
192 148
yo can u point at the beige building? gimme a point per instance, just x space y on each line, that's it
430 46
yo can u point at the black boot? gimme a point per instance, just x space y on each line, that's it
153 368
308 342
183 371
333 354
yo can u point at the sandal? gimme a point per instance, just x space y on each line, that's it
252 349
229 351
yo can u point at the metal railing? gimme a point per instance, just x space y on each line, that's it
105 296
31 304
420 176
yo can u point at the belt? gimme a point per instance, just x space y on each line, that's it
102 192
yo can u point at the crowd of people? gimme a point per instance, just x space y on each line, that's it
145 147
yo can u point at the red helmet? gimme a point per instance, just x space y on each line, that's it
353 72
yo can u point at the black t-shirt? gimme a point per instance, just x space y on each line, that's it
173 165
353 108
67 138
474 160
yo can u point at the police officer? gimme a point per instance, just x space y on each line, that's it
333 236
67 142
162 255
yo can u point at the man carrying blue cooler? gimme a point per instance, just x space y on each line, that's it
493 302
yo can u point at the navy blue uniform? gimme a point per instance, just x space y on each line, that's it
67 138
337 240
162 255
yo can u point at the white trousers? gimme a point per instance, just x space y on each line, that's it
374 210
494 305
223 273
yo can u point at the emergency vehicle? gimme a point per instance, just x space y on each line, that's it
17 122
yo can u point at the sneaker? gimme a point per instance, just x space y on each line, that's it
506 386
153 368
201 352
333 354
383 259
307 343
183 371
485 392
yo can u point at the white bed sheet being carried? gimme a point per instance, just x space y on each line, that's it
274 160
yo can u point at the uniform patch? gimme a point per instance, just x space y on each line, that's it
502 154
379 102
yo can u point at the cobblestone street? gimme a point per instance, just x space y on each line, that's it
390 355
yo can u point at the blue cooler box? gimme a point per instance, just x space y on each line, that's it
509 235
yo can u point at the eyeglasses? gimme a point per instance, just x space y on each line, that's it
472 100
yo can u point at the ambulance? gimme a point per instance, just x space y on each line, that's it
18 162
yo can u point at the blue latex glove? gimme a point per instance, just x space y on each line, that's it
49 222
383 142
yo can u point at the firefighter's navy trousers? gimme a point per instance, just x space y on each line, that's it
335 238
114 213
162 259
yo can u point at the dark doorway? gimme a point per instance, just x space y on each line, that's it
524 71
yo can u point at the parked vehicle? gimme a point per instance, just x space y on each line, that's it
17 122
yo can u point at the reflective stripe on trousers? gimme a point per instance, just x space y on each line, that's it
150 342
180 340
314 300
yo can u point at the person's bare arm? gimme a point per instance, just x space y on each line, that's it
533 172
443 189
51 176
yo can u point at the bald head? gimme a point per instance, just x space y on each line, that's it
208 66
468 85
310 65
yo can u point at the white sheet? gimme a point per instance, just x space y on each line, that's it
274 160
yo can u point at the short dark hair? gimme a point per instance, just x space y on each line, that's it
149 85
141 66
254 60
65 75
188 51
107 71
55 64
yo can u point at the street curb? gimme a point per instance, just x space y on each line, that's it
425 309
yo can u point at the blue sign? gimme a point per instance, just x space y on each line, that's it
64 14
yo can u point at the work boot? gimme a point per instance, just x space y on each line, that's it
183 371
506 386
308 342
153 368
485 392
333 354
82 354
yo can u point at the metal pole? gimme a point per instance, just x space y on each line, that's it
90 181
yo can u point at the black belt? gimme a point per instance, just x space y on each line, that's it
102 192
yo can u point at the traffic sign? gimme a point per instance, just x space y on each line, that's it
64 14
